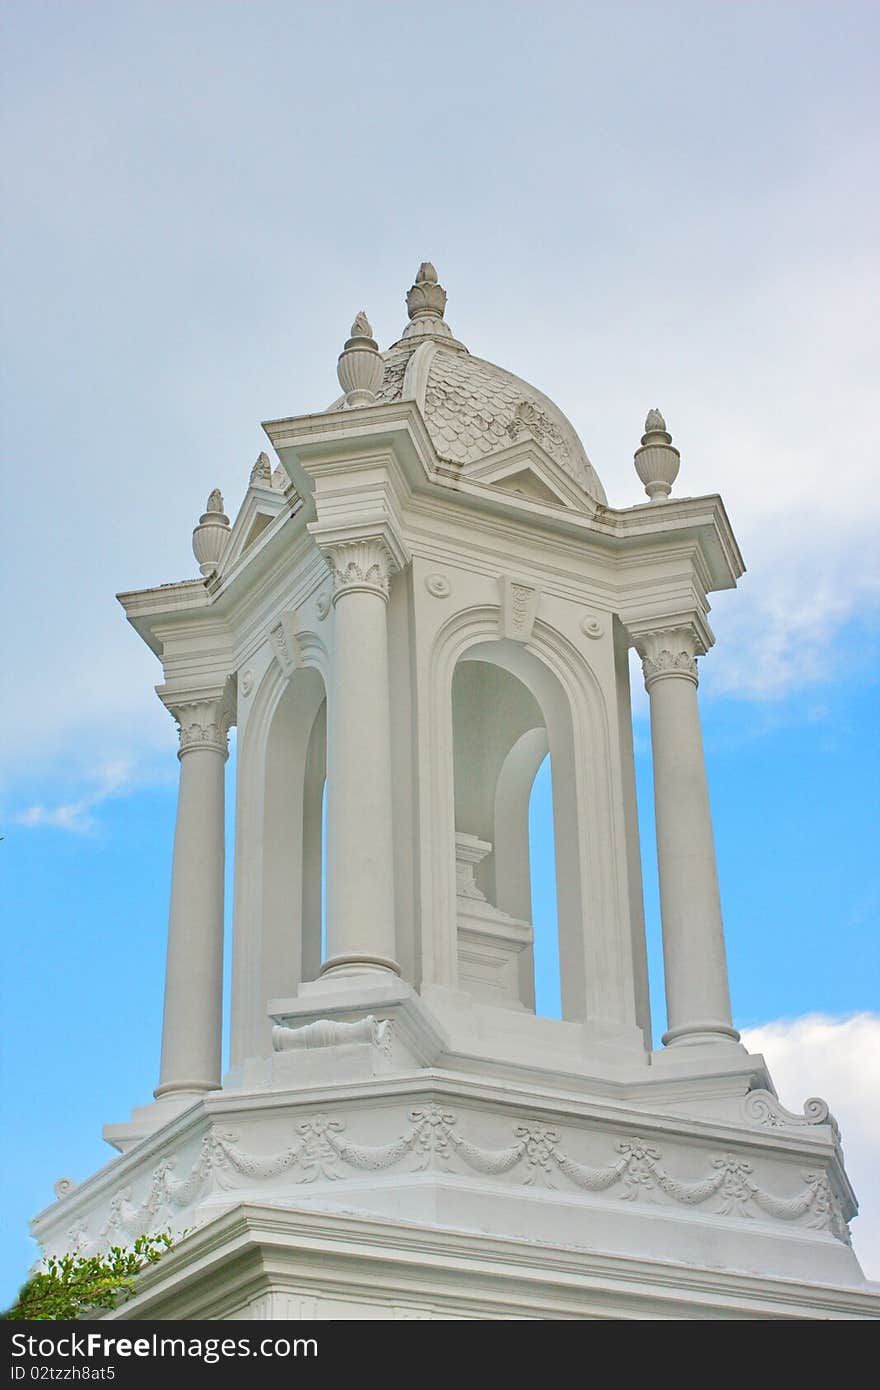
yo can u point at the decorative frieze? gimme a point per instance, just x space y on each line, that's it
432 1139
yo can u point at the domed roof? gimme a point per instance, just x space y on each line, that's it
472 408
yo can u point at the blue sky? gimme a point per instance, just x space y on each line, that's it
630 205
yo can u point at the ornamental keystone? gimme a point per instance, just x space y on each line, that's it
657 461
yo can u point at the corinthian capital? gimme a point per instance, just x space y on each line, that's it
361 564
668 652
203 721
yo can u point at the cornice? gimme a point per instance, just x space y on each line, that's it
307 1253
308 443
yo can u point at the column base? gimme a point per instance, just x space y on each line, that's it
185 1090
359 965
704 1031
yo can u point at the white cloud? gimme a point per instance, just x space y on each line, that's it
839 1060
115 779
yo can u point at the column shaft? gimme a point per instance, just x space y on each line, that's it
697 991
192 1021
360 847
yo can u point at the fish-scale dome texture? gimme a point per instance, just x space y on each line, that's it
474 409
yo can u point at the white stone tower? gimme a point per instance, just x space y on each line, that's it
424 596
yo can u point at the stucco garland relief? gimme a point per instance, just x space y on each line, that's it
432 1140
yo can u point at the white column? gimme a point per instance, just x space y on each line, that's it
192 1021
697 991
360 846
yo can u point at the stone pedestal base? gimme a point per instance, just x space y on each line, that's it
400 1156
299 1264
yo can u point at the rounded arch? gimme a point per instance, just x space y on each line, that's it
595 949
512 862
279 849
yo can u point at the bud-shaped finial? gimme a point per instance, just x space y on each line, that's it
426 298
657 462
360 367
425 305
261 473
211 536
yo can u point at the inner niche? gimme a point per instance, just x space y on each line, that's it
500 742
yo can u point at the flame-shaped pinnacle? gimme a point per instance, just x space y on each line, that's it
360 367
211 536
657 462
361 328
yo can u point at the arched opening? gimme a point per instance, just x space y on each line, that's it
500 740
542 865
280 906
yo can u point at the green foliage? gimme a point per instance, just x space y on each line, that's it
72 1286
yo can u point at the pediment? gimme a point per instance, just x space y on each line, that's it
526 471
258 510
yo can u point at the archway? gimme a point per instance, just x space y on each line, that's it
500 738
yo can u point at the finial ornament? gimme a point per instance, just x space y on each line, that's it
657 461
426 298
211 536
361 328
360 367
261 473
425 305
